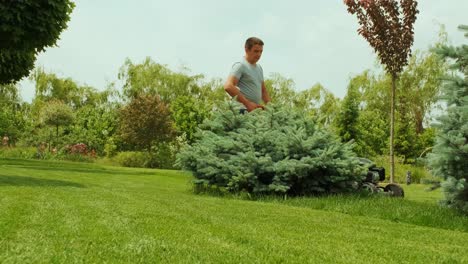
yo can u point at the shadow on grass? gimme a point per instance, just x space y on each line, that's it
35 182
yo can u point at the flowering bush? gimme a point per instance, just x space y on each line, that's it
79 148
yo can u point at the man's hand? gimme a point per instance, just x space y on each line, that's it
252 106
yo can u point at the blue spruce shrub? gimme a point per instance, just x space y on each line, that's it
271 151
449 157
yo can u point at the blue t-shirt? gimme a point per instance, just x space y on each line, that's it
250 79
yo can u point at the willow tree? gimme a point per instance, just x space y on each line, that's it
388 27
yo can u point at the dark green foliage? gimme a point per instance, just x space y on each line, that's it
273 151
373 131
27 28
15 64
12 120
347 119
406 139
449 159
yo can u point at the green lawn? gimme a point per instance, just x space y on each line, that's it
58 212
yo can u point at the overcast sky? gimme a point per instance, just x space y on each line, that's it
309 41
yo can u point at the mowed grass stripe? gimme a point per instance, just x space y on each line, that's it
144 216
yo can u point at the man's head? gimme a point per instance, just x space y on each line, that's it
253 49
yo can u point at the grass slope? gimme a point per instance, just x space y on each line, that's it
58 212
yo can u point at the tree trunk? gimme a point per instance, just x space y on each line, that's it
392 129
419 122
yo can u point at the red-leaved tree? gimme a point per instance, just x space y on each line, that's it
146 120
388 27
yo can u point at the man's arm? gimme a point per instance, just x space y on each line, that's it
231 88
265 96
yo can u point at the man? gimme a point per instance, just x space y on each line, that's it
246 78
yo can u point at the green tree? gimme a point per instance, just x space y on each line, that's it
328 109
146 121
48 86
316 101
95 114
418 90
9 95
363 114
153 78
406 139
7 126
420 85
187 114
94 125
450 154
347 120
213 93
373 134
12 119
57 114
374 115
388 27
27 28
281 90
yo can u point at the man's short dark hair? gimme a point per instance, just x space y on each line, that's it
250 42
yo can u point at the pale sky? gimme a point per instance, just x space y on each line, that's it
309 41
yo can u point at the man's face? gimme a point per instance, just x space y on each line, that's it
254 54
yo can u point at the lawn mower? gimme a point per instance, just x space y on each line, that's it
374 176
